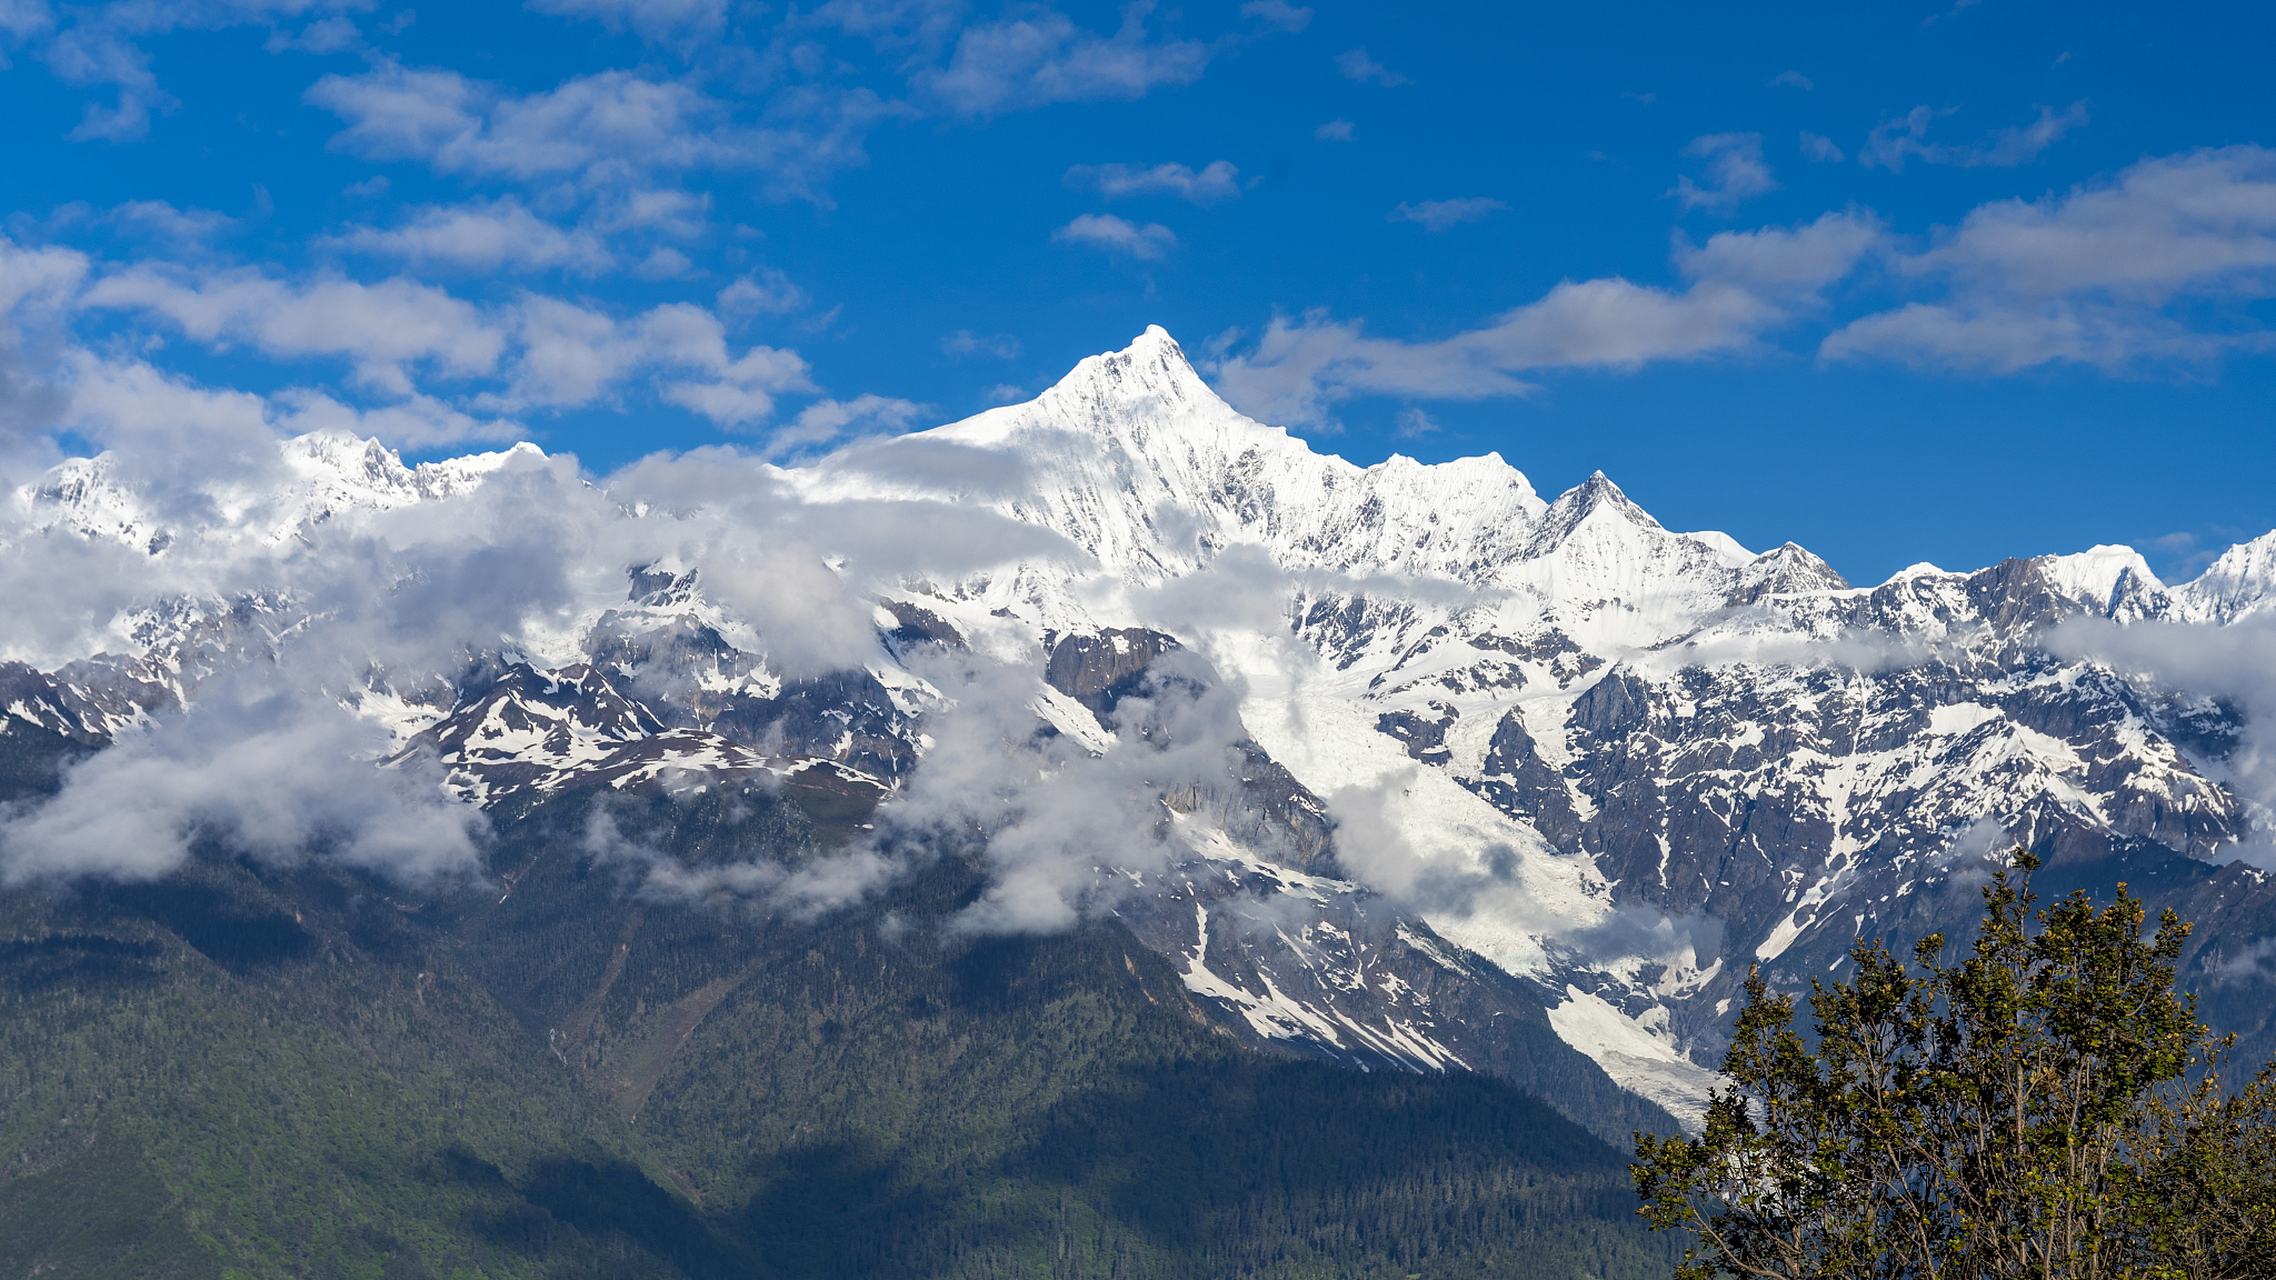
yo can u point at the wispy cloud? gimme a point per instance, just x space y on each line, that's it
1742 285
1356 65
1893 142
608 130
1103 230
1734 170
1278 14
1043 57
1438 215
1216 181
964 342
1335 131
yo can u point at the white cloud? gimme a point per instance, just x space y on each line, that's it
99 45
1412 423
481 236
572 355
658 21
327 35
38 280
2153 265
1894 141
1334 131
1742 284
380 328
1278 14
1438 215
420 422
1356 65
1043 57
266 774
1219 180
1146 243
606 130
1793 79
1735 171
550 353
827 420
766 291
964 342
1820 149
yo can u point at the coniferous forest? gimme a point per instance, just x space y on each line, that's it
262 1070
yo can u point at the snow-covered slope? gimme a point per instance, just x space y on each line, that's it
1497 761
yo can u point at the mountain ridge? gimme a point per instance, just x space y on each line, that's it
1607 758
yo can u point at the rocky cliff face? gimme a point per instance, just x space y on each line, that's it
1503 781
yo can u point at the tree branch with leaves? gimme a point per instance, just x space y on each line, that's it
2045 1106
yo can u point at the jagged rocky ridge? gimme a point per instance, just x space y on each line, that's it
1510 775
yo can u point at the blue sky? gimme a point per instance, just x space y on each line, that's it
1897 282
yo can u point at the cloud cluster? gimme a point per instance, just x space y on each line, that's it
2159 265
2156 265
1743 284
1041 57
271 774
370 600
485 236
402 338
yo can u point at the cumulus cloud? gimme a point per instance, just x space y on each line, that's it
826 420
257 772
2153 265
1893 142
1042 57
1218 180
381 329
1062 829
1820 149
1146 243
549 352
1792 79
1438 215
1354 64
484 236
1742 284
1335 131
1734 172
420 422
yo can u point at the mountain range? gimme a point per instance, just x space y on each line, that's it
1116 701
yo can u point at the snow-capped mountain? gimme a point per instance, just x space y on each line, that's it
1498 776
